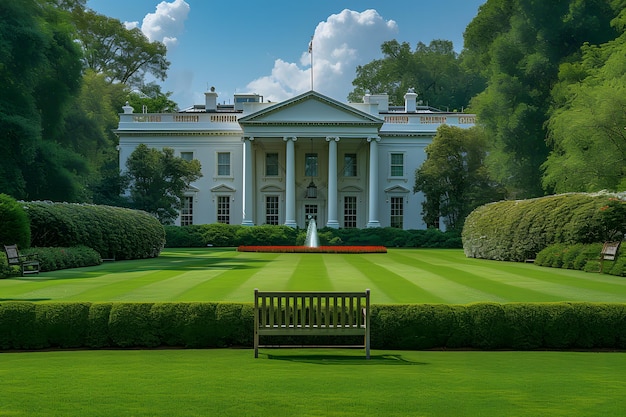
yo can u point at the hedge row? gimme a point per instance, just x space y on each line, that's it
52 259
519 326
14 226
113 232
225 235
581 257
518 230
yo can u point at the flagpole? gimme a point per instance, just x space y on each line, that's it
311 53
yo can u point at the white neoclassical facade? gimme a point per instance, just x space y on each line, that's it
347 165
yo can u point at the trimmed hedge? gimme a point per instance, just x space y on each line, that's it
52 259
224 235
582 257
519 230
519 326
14 226
113 232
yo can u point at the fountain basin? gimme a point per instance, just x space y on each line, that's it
310 249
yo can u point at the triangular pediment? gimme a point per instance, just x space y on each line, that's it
351 189
222 188
397 189
310 108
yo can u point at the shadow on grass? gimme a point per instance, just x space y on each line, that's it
331 359
24 299
141 265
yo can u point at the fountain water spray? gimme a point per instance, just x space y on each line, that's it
311 240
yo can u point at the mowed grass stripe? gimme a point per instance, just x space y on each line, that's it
497 290
343 275
309 274
438 289
390 287
560 284
228 278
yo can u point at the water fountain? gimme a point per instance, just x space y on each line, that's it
312 245
311 240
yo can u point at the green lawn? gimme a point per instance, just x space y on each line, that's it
400 276
311 383
229 382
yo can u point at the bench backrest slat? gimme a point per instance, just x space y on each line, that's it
327 309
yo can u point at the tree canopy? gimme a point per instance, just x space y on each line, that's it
453 178
518 45
158 181
434 71
122 55
587 126
65 72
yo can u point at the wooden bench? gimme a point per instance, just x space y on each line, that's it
290 313
28 263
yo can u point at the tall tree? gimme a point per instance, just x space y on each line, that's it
158 181
122 55
435 71
150 98
519 44
453 178
39 73
587 126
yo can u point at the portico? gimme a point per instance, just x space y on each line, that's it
326 167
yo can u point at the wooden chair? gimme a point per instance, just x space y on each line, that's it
28 263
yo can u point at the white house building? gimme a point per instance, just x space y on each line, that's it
347 165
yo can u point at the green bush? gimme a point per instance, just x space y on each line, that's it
519 326
113 232
65 323
19 328
224 235
184 237
132 325
583 257
14 225
51 259
519 230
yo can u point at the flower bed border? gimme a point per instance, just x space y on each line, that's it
307 249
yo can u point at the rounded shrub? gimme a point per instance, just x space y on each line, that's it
519 230
113 232
14 224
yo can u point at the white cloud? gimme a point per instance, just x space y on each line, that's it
166 23
342 42
131 25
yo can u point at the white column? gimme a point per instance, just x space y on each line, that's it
248 182
373 180
290 182
332 182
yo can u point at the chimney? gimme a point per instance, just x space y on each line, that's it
128 109
210 98
410 101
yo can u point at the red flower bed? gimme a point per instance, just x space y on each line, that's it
307 249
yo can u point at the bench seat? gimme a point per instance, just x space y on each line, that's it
291 313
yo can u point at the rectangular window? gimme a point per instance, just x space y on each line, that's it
223 164
349 212
310 165
397 165
223 209
310 212
271 209
397 212
187 156
186 214
349 165
271 164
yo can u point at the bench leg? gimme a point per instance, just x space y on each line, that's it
256 344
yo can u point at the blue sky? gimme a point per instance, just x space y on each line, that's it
261 46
